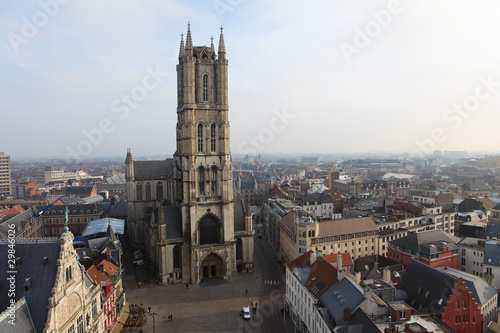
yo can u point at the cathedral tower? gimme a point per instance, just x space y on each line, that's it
204 183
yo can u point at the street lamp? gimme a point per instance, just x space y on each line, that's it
154 314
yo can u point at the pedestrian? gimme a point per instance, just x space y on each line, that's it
246 291
149 309
187 285
171 317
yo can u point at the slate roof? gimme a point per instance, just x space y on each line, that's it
320 198
492 253
345 293
144 170
422 241
117 210
23 320
426 285
476 185
19 221
303 274
173 219
493 230
79 190
347 226
31 266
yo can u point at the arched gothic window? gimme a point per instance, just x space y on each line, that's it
177 256
200 138
210 231
212 138
205 88
239 249
201 180
138 191
159 191
213 180
148 191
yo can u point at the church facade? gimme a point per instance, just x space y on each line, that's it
182 210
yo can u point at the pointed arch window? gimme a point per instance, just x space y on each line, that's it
212 137
205 88
148 191
201 180
213 180
138 191
159 191
200 138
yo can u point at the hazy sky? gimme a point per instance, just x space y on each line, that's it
304 76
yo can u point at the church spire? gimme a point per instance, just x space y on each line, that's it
189 42
181 48
222 46
128 160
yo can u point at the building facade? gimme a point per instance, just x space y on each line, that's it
196 232
5 173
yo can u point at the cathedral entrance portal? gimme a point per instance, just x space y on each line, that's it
212 267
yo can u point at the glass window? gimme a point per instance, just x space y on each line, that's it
138 191
205 88
200 138
212 138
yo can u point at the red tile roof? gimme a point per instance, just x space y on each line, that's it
96 275
332 258
108 267
301 261
322 275
11 211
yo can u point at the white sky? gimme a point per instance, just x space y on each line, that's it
390 94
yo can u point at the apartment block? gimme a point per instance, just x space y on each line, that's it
5 182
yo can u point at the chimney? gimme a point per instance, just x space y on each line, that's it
339 262
347 314
386 275
312 257
357 275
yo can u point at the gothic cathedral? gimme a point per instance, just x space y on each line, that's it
182 210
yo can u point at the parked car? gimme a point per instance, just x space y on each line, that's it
246 312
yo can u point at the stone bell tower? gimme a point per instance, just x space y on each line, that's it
203 164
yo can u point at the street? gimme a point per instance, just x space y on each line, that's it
272 287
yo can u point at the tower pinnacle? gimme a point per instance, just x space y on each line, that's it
222 46
212 44
189 41
181 48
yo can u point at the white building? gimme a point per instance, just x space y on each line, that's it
471 251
